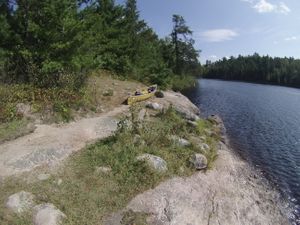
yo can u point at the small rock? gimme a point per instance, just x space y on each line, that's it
192 123
154 105
23 109
20 202
142 114
202 138
199 161
159 94
203 146
43 176
108 92
47 214
155 162
59 182
137 140
215 119
208 132
99 109
181 169
103 170
180 141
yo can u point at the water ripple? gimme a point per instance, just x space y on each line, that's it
263 122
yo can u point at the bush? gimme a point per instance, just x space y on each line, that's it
180 83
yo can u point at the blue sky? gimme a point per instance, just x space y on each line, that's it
230 27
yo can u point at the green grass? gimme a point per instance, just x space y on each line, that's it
87 197
13 129
180 83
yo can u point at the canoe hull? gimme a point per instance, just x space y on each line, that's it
139 98
144 95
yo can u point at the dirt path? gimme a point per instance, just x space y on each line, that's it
49 144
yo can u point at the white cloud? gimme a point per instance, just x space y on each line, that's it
292 38
218 35
283 8
263 6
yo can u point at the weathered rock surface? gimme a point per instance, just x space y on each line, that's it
154 105
47 214
155 162
199 161
50 144
229 194
24 110
142 114
180 141
218 122
138 140
43 176
20 202
181 104
203 146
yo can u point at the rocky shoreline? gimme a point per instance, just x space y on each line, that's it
231 193
228 193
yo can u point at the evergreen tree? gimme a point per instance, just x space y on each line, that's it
185 54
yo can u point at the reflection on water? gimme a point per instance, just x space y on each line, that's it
263 123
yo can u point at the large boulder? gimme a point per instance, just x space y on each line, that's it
180 104
154 162
199 161
20 202
47 214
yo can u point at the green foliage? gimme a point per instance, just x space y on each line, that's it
13 129
68 38
255 68
180 83
186 56
55 99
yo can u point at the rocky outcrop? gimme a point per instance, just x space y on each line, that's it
198 161
180 103
50 144
228 194
154 162
47 214
20 202
218 122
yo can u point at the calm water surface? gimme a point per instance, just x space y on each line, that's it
263 124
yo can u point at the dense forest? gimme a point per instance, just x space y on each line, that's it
256 68
52 43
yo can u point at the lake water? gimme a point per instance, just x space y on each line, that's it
263 124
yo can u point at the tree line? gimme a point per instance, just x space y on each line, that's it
53 42
256 68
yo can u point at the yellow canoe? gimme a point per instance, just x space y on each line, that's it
142 95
